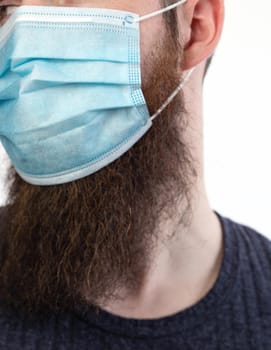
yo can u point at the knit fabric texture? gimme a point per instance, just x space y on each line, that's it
235 313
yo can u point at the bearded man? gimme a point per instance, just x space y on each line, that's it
108 239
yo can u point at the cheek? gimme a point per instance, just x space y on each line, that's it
152 32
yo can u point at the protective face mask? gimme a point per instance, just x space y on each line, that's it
70 90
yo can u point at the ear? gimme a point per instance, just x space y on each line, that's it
201 28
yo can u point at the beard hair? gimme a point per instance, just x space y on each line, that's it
81 242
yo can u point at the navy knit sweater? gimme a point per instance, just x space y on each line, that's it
235 313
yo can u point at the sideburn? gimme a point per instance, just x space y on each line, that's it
171 19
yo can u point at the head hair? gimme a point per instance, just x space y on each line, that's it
171 19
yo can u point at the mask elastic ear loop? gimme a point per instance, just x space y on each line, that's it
174 94
153 14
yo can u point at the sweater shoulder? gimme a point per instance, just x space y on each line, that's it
254 249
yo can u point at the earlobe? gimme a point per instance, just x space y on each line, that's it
203 30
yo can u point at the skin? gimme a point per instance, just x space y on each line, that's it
150 245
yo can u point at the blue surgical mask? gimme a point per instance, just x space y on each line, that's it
70 90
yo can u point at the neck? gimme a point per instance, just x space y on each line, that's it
184 268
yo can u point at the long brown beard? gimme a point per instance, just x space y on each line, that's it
98 234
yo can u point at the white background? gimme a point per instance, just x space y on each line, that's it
237 116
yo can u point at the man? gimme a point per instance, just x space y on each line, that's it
132 256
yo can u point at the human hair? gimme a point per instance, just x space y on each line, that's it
171 20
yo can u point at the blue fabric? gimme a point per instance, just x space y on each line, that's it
234 315
70 90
